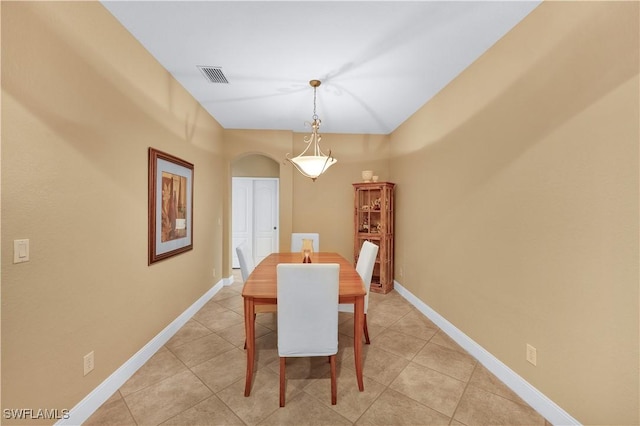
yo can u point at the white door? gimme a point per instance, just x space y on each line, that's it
265 218
255 216
242 218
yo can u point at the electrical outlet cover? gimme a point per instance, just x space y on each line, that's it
532 354
88 363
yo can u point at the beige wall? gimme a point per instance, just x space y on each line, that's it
517 201
517 205
81 104
255 165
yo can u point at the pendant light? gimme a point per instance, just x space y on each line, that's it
312 162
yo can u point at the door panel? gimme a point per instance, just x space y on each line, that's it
255 216
265 198
242 207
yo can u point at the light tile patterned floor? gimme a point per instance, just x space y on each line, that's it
414 375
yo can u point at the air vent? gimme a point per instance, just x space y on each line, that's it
213 74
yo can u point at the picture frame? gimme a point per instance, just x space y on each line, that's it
170 205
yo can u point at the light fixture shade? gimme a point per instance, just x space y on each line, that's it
313 166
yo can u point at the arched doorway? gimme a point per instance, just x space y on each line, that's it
255 205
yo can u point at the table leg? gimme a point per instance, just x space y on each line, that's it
249 328
357 333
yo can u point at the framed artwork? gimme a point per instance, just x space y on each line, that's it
170 206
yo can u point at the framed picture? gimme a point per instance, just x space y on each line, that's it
170 206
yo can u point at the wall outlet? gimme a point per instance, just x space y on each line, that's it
532 354
88 363
214 272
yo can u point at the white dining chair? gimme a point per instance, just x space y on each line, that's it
245 258
298 237
308 315
365 265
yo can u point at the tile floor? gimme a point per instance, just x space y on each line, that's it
414 375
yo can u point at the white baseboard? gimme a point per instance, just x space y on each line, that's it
532 396
228 280
85 408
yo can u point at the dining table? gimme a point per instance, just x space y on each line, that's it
260 288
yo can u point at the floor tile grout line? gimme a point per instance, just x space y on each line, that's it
128 408
453 415
409 362
213 392
324 404
148 385
388 387
412 361
192 340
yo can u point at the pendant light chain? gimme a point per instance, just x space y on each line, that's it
315 90
315 125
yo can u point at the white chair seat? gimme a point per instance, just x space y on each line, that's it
308 315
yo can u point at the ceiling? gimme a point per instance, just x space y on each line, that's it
378 61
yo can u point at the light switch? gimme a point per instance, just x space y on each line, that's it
20 251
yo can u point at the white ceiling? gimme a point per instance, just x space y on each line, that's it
378 61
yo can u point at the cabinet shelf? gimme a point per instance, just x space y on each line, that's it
373 221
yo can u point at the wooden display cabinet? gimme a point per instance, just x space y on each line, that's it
373 221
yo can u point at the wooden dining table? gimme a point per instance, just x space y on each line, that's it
260 289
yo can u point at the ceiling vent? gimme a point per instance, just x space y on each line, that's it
213 74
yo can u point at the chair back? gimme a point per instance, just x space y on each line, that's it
245 258
365 265
307 309
297 241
